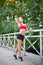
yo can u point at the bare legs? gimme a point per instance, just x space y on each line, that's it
18 50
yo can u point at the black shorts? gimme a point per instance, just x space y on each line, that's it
20 36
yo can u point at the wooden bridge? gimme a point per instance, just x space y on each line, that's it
6 58
8 43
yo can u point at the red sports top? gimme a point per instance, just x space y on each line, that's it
22 26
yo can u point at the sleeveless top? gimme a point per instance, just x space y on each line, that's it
22 26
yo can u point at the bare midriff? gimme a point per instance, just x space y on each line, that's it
22 31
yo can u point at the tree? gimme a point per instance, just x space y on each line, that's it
30 10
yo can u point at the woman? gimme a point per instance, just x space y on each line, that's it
22 26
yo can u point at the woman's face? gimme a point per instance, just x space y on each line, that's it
20 19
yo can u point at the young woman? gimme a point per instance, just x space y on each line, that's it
22 26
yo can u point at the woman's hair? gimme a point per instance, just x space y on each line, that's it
23 21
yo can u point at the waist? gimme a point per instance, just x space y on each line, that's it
21 34
22 31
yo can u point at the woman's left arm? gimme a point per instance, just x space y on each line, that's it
29 30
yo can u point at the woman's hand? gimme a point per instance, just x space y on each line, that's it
32 30
16 19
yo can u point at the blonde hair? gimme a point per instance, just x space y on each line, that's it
23 20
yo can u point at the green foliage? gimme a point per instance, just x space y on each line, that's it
30 10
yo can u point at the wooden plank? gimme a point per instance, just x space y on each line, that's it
42 61
42 51
6 58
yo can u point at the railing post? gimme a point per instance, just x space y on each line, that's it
24 46
3 41
0 40
8 41
14 42
41 43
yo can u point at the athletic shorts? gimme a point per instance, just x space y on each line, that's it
20 36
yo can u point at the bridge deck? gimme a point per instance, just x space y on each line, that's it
6 58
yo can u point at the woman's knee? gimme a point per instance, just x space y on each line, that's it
19 46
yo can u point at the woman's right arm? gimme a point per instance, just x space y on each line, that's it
16 19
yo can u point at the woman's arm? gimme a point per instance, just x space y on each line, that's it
29 30
16 19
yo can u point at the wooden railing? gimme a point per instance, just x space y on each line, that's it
9 40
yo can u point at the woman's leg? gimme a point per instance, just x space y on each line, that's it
19 47
15 53
18 50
